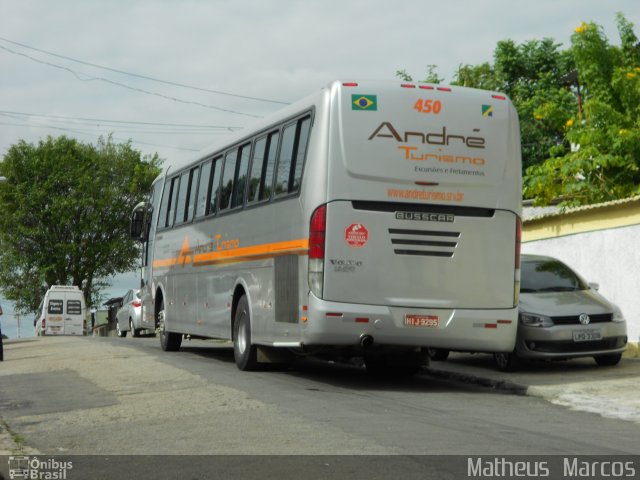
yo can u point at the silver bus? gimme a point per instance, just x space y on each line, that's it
370 220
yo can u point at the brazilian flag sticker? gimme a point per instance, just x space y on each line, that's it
364 102
487 110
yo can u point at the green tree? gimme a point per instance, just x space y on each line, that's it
532 75
430 77
604 160
64 215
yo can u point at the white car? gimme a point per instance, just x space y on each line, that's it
128 317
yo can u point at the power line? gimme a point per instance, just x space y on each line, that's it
81 132
145 77
123 122
106 80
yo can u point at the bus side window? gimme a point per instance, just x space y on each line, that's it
301 150
204 191
255 173
191 195
269 168
285 160
173 199
164 207
182 198
241 176
215 186
228 175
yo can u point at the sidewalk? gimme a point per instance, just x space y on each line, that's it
578 384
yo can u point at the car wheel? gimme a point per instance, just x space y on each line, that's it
121 333
506 362
438 354
169 341
134 332
608 360
244 353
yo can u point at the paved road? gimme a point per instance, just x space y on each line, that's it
111 396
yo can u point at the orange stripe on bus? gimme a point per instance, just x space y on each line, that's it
242 254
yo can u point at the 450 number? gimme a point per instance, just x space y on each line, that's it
428 106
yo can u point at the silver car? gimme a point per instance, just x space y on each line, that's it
561 316
128 317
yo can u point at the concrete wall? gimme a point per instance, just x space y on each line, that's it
605 254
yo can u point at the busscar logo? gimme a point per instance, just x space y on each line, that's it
426 216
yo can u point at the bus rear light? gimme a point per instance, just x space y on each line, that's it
425 87
516 280
499 97
317 235
333 314
443 89
349 84
408 85
362 320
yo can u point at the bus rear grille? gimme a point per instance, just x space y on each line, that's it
426 243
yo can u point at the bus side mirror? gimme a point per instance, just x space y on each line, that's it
138 220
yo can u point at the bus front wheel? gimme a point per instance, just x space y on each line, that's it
244 353
169 341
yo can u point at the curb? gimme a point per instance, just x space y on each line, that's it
501 385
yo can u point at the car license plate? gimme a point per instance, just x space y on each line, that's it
428 321
586 335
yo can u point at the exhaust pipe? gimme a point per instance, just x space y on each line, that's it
366 340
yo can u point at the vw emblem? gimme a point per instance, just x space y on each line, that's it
584 319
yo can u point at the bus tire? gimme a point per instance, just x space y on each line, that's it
169 341
244 352
438 354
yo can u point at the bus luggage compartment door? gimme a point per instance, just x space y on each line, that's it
414 256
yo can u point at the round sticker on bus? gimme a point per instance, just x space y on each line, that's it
356 235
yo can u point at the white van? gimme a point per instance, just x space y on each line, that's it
62 312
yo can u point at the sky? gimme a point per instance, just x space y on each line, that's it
174 76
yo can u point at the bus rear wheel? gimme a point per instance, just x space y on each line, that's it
169 341
244 353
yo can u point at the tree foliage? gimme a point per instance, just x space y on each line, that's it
579 112
64 215
604 159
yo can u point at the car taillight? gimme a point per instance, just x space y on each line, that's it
136 303
317 234
516 283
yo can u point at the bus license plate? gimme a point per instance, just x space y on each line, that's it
586 335
428 321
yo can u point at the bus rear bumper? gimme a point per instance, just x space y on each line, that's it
346 324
